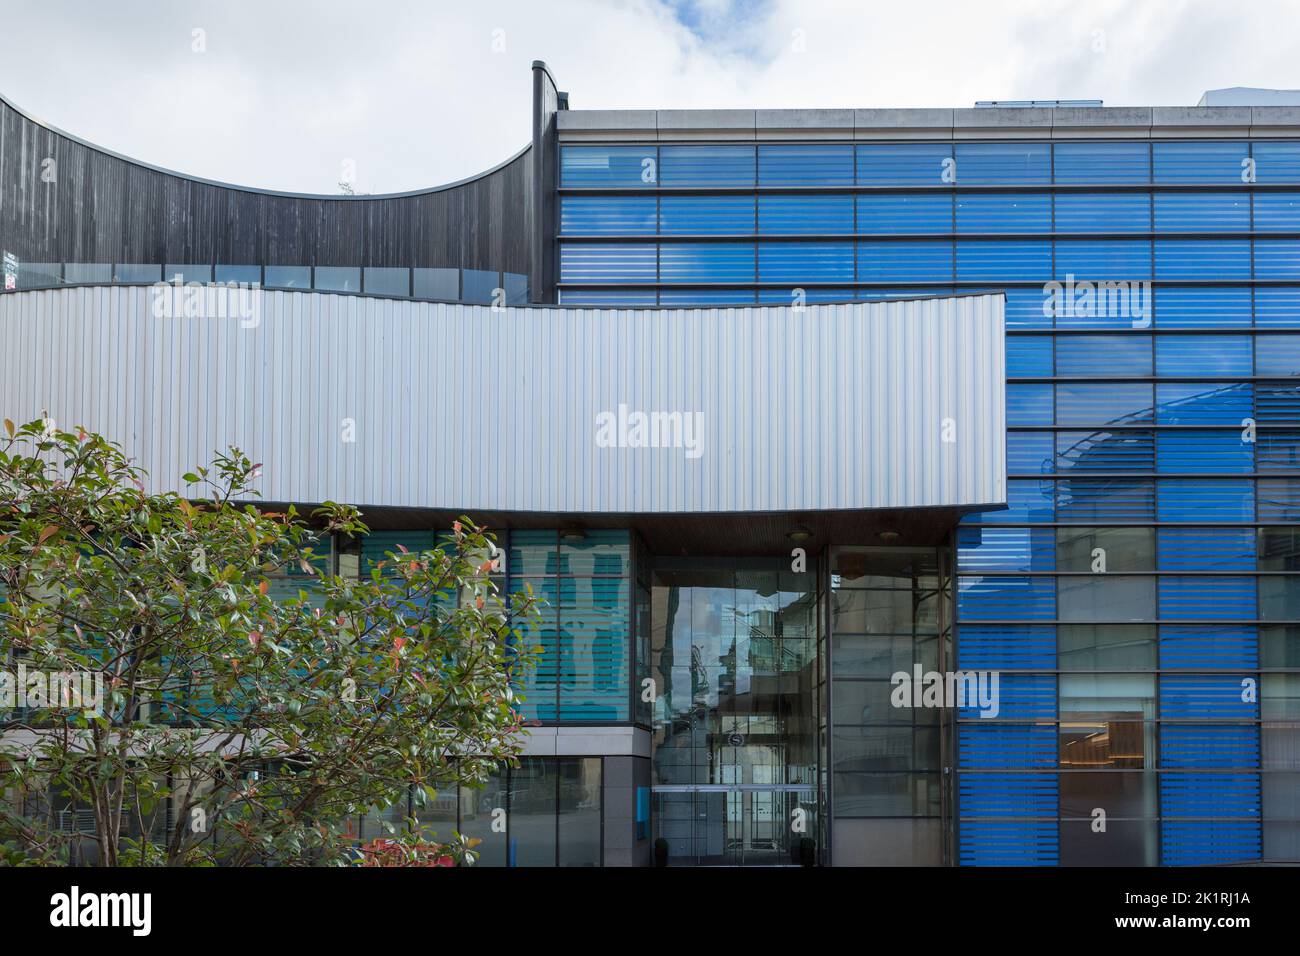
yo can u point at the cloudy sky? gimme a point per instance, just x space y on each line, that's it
281 94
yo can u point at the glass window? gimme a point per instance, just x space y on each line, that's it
480 285
1277 259
1216 162
805 215
480 807
678 298
595 262
579 810
1103 355
1103 403
1202 212
915 261
1106 647
1105 550
241 275
707 165
337 279
1206 500
1099 260
805 262
1100 500
1132 695
1029 404
1206 549
829 164
1277 355
1027 500
1279 599
516 286
903 164
1029 356
1203 355
1107 597
1202 451
1004 212
1008 260
97 273
1277 212
1103 212
607 215
288 277
608 166
1189 308
187 273
39 275
1102 163
706 215
436 284
1202 258
1029 453
127 272
1279 549
1277 162
1003 163
706 262
387 281
901 214
1203 403
531 826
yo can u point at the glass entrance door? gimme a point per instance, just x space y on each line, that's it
735 758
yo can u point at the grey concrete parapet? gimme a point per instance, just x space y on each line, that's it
803 119
1200 115
706 119
606 119
1091 116
902 119
1003 117
1275 115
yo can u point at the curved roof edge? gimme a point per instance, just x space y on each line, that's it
255 189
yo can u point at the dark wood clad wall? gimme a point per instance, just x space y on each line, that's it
100 208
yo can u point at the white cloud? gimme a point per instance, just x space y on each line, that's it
417 93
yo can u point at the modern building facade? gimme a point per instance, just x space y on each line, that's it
772 407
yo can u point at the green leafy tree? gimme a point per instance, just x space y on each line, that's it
237 726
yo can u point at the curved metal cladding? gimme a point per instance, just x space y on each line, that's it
65 200
390 402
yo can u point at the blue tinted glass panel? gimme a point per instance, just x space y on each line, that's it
1201 307
1277 162
1278 451
1103 212
386 281
1103 403
912 261
516 288
1277 307
805 215
1277 259
1277 355
1104 452
1027 500
1028 452
479 285
337 279
137 272
1099 500
1025 309
1202 212
593 262
1103 355
1006 259
877 295
1199 499
706 262
706 215
1004 212
1202 258
1102 163
436 284
1199 162
1203 403
1023 550
244 275
1207 598
807 296
1029 404
822 165
186 273
1029 356
1196 451
905 215
1003 163
1277 402
992 598
1098 260
1277 212
1203 355
1079 302
607 166
805 262
96 272
607 215
902 164
1205 549
617 297
1279 499
288 277
705 297
706 165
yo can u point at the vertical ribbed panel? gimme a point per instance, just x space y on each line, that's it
871 405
